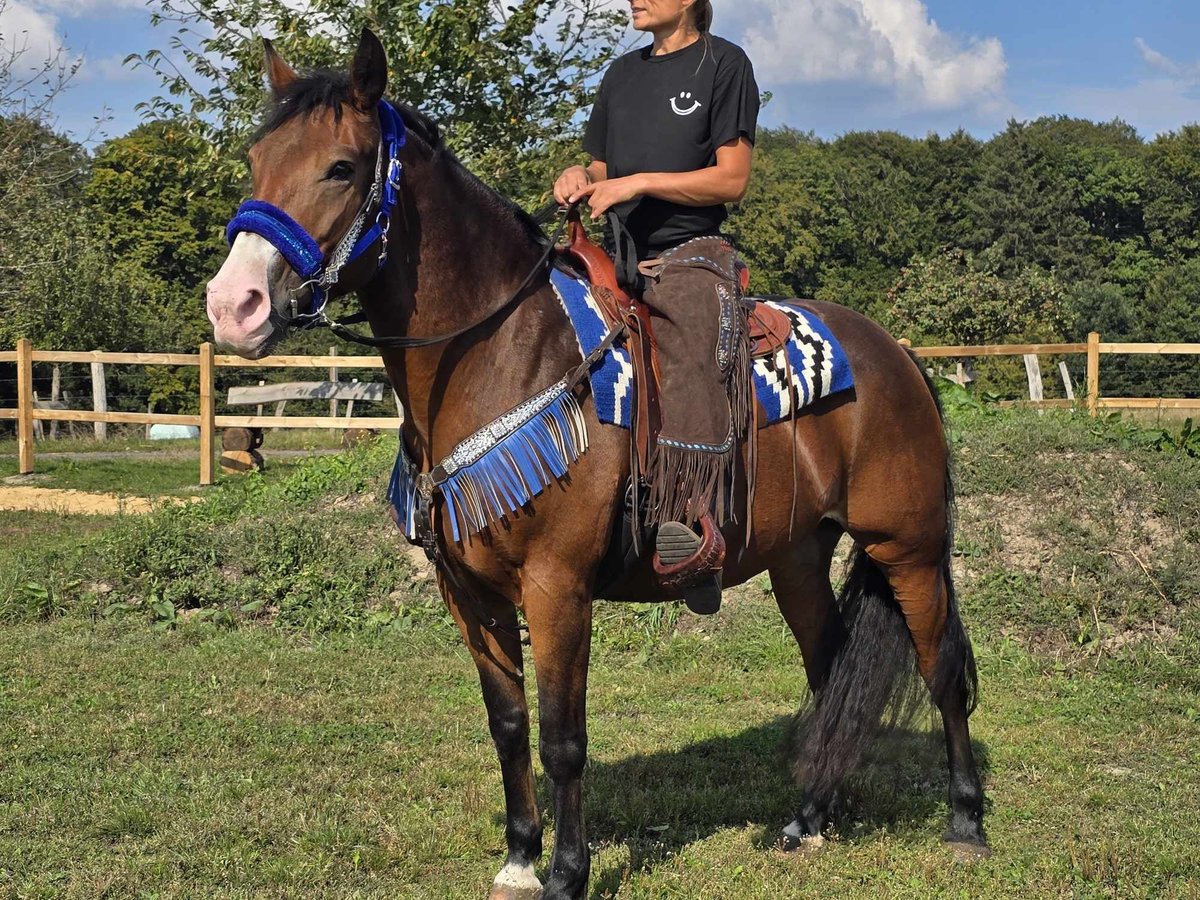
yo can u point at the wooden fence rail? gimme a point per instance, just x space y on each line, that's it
27 412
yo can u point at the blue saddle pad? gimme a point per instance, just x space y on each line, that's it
812 365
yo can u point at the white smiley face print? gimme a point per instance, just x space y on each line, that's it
684 104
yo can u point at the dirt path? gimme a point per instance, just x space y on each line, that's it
85 455
58 500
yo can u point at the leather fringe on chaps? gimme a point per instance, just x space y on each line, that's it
688 480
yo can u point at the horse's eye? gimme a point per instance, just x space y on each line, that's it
340 171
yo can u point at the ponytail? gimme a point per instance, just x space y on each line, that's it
702 15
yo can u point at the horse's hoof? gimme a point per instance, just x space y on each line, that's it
805 845
965 852
503 892
516 883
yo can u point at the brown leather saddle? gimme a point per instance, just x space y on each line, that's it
768 330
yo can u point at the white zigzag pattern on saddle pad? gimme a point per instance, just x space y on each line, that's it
812 357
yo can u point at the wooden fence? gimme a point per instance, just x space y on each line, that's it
207 420
26 414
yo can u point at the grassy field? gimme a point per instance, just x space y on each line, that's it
129 465
297 726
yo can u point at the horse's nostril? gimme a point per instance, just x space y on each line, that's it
249 305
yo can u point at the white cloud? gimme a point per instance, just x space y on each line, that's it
86 7
889 44
1165 100
1153 106
1185 73
28 31
110 69
34 27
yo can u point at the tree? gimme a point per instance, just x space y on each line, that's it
507 81
789 204
1022 211
947 298
39 169
163 224
1173 204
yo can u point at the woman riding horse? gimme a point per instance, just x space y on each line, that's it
671 138
356 194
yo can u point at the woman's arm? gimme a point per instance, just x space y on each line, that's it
724 182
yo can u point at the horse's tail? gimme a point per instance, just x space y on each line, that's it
874 677
874 673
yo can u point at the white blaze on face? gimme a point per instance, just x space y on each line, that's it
239 299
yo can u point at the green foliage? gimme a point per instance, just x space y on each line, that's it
314 550
1128 434
1173 207
163 220
948 299
507 84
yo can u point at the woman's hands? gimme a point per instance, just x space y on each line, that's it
569 183
593 185
604 195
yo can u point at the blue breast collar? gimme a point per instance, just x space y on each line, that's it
299 248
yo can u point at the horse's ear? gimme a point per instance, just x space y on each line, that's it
368 72
279 73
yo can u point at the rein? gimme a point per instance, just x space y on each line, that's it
339 327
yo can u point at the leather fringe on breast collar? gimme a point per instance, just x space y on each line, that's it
496 470
503 465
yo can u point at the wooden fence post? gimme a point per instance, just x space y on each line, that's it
1066 378
55 390
207 413
99 398
24 406
39 433
1093 372
1033 373
333 376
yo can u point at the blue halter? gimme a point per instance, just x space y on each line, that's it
303 253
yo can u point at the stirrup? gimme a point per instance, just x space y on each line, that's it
690 563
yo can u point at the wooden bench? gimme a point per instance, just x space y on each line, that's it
240 445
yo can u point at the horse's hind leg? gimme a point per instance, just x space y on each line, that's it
925 594
807 601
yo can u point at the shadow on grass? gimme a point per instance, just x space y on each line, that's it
656 804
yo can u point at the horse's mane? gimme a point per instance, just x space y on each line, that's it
329 89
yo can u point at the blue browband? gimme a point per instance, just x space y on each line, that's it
303 253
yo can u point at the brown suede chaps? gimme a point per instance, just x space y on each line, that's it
695 300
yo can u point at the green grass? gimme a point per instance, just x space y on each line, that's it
145 476
132 438
301 719
127 477
254 762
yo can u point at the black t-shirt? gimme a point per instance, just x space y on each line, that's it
670 113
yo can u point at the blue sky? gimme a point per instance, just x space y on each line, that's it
833 65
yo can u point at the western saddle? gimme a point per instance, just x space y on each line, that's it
768 330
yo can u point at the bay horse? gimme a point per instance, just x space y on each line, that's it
872 462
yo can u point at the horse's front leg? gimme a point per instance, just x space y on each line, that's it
496 649
559 614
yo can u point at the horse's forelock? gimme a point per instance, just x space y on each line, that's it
328 89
